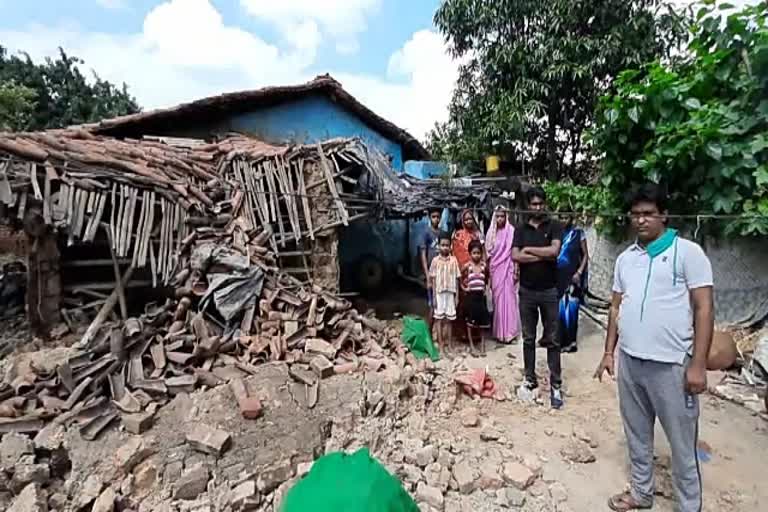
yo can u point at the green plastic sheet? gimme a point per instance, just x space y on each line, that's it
417 338
348 483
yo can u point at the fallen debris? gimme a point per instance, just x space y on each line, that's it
192 483
208 439
578 452
470 417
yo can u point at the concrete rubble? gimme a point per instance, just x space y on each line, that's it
204 453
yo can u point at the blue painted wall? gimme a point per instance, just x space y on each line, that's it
425 170
309 120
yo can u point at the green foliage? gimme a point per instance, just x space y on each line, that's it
590 203
534 69
16 106
701 126
61 96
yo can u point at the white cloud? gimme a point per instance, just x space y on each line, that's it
186 51
343 20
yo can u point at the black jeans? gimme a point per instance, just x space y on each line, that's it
535 303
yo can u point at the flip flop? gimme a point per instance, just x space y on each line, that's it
624 502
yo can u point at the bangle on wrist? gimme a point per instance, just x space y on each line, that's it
608 354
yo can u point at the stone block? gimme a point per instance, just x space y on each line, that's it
465 477
518 475
31 499
250 407
105 502
320 347
208 440
271 478
430 495
192 483
13 447
25 474
245 496
137 423
130 454
322 367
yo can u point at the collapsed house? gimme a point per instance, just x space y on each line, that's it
190 262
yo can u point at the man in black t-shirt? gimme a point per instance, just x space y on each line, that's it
536 248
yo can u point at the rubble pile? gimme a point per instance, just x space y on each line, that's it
747 383
230 313
211 223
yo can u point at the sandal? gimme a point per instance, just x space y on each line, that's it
624 502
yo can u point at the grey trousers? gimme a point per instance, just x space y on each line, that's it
650 390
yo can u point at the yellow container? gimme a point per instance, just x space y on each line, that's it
492 164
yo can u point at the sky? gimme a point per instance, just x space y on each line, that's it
385 52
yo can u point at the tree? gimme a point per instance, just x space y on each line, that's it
60 94
533 70
16 106
700 126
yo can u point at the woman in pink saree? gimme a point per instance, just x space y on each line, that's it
498 243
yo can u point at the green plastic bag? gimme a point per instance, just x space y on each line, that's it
348 483
417 338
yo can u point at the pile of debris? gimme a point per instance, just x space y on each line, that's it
210 221
230 313
747 383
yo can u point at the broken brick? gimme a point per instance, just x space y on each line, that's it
208 439
130 454
250 407
192 483
245 496
321 366
271 478
346 368
137 423
319 347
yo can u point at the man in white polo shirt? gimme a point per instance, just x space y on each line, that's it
662 318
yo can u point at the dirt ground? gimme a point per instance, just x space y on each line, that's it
447 462
733 478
